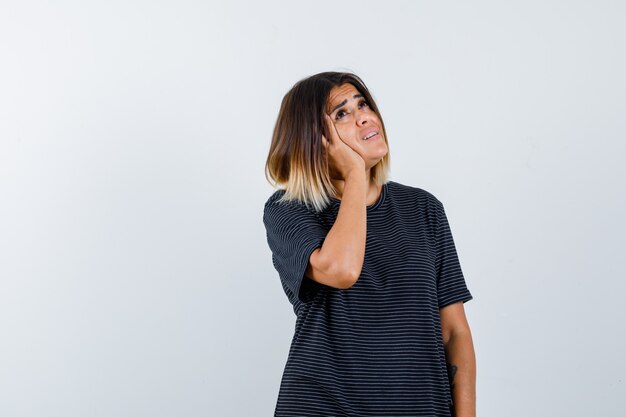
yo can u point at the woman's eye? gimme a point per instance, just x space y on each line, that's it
341 111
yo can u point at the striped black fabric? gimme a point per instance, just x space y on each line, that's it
376 348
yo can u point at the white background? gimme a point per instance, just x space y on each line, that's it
135 278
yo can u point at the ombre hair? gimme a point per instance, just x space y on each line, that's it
297 161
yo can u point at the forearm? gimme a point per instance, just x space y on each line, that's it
345 241
461 361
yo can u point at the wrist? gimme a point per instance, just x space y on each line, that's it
355 175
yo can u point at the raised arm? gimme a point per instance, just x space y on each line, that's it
339 261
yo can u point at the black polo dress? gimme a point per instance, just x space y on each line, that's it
374 349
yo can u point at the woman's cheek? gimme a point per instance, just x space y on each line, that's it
348 136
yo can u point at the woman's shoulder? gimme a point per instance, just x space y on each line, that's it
412 191
274 197
415 203
277 205
278 198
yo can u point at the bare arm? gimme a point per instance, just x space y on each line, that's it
460 359
339 261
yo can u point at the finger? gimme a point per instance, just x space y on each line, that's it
331 128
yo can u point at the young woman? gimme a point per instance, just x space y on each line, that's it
368 264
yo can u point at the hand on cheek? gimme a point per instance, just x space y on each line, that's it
351 141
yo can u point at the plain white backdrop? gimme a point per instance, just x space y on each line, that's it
135 278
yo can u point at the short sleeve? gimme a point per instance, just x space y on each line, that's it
451 286
293 233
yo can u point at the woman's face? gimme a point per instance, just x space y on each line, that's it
354 120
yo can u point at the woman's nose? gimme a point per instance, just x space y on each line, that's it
361 118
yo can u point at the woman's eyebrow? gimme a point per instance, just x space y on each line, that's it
343 103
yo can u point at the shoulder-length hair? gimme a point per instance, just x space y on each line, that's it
297 161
